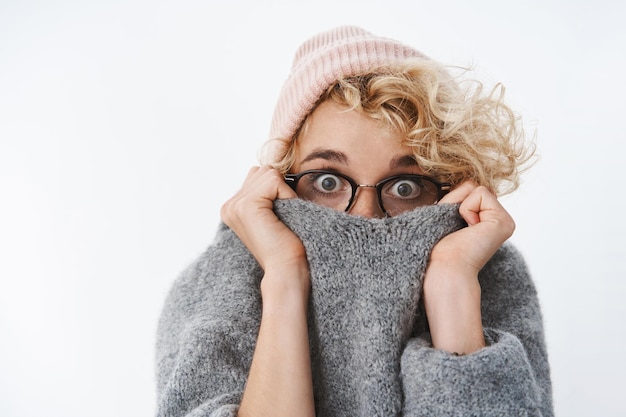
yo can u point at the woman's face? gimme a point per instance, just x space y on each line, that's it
350 143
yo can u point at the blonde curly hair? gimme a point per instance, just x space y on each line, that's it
457 131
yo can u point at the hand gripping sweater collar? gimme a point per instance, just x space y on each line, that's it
370 350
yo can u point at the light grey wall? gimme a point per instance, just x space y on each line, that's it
125 124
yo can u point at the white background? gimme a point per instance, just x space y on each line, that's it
125 124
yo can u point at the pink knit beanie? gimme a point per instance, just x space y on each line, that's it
320 61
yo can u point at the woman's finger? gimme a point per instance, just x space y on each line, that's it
459 193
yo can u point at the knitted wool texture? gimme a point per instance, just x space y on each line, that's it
370 349
320 61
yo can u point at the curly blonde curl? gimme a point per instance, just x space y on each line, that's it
456 131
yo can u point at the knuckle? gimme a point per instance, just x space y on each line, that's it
507 225
511 225
231 209
226 211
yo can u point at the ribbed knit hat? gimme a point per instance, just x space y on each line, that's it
320 61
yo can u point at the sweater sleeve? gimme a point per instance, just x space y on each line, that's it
206 336
510 376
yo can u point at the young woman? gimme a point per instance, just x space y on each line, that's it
363 269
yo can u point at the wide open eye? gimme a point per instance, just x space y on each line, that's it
325 188
404 189
328 183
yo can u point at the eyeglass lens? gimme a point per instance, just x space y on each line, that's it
396 194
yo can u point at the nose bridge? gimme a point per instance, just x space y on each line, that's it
366 202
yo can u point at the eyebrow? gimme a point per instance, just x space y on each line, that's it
403 161
399 161
328 155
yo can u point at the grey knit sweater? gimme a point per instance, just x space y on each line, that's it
370 348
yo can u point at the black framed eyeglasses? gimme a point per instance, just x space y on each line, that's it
396 194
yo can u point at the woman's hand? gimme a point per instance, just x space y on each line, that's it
280 381
490 225
451 288
249 213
